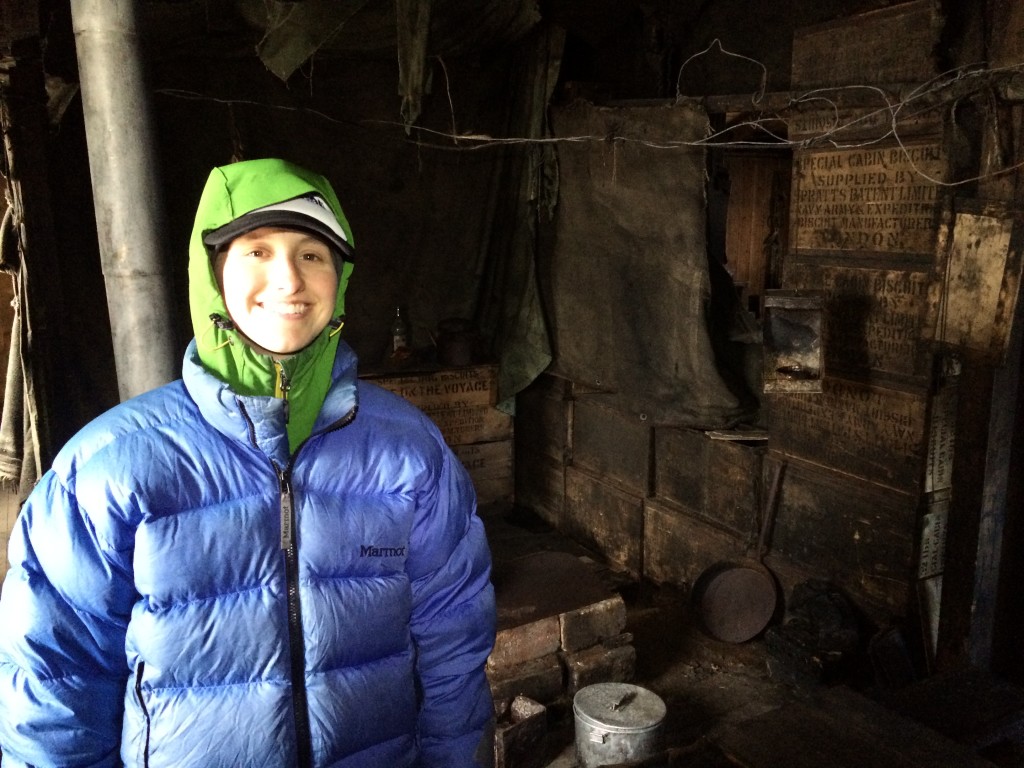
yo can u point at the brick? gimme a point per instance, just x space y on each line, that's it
611 662
540 679
589 625
525 642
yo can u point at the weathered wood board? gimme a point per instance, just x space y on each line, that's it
679 545
888 46
604 517
871 118
842 728
448 388
874 317
941 438
861 534
875 198
611 443
460 401
869 432
758 189
734 488
542 417
681 466
718 480
975 291
540 485
490 467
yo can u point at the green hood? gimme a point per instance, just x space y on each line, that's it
231 191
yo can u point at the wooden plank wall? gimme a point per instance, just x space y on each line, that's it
863 231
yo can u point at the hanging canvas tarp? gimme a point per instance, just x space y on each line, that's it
631 285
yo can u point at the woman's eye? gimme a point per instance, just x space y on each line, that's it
313 256
255 252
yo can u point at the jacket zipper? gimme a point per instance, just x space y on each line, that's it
145 711
282 387
303 734
289 545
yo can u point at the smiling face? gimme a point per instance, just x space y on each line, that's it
279 286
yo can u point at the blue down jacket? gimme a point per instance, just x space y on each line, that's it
153 576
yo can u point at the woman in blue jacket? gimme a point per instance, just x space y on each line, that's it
265 563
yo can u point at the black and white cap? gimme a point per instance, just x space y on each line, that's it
307 214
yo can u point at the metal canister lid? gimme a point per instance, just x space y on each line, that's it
619 707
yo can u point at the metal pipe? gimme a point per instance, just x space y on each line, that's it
129 211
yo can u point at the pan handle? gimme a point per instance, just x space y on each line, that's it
771 504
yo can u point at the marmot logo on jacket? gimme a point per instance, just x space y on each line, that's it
368 550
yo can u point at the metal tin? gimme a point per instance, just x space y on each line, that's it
616 723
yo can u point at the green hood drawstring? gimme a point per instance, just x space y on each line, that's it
303 378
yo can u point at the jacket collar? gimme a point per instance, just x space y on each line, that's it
259 420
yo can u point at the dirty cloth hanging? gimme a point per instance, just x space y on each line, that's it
630 278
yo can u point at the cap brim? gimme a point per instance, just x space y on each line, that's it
217 239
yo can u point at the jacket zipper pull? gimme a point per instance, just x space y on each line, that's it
282 387
287 511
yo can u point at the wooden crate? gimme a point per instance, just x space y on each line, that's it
444 388
875 318
681 467
862 534
604 517
873 433
490 467
461 402
543 417
540 485
879 199
718 479
611 443
885 47
679 545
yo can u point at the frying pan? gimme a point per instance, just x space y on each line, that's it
736 601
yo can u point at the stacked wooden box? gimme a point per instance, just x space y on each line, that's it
461 401
664 502
706 502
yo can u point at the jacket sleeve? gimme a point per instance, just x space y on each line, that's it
64 611
453 625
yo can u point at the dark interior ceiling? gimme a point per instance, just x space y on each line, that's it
611 42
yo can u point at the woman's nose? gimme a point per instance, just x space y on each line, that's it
285 273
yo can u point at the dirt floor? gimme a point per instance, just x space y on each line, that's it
744 705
